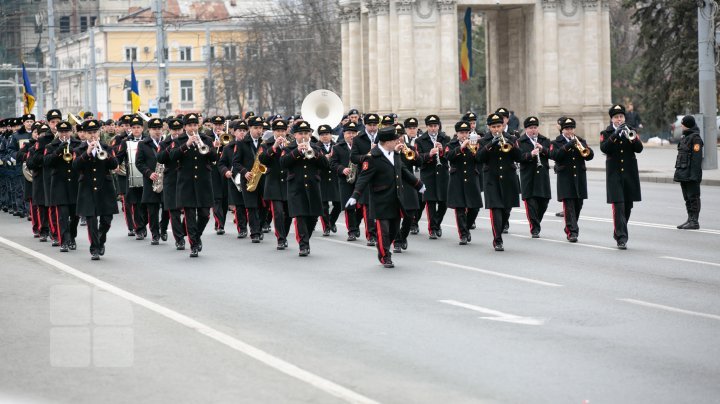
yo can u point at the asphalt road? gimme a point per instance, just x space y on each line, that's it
545 321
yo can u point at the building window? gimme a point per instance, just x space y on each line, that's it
131 54
83 24
166 54
212 53
64 25
128 95
185 54
92 21
230 52
186 91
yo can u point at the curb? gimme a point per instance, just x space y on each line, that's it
663 179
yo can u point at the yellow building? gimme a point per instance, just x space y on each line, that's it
192 51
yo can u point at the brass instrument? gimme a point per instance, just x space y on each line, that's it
202 148
538 146
67 156
504 145
257 170
100 153
309 153
27 173
350 178
438 146
144 117
583 150
473 144
630 134
157 185
134 176
408 152
225 137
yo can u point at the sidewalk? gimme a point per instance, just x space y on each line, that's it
656 164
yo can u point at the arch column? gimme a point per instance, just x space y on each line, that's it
372 76
406 58
384 93
449 64
352 64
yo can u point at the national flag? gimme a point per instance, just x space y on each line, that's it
466 47
28 94
134 92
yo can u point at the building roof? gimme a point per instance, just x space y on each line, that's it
201 11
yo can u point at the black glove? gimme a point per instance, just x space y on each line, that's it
495 140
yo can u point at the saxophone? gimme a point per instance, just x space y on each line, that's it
258 169
157 185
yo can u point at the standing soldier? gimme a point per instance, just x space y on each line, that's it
35 163
498 156
220 185
146 162
621 171
304 163
194 154
63 185
347 174
225 164
464 189
363 142
385 175
512 135
170 179
570 153
96 199
688 170
243 161
276 188
434 173
328 183
534 173
411 197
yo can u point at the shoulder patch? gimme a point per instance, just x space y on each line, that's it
283 153
365 165
602 137
696 148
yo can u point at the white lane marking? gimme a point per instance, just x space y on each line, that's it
693 261
274 362
348 243
498 274
672 309
600 247
496 315
647 224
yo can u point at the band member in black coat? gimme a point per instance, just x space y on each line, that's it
688 170
194 186
276 188
363 142
220 186
411 197
471 117
621 171
386 176
304 163
571 175
340 164
500 183
329 183
122 132
22 158
412 133
96 199
35 163
434 173
63 185
225 164
243 161
512 134
534 173
464 190
169 194
146 162
134 190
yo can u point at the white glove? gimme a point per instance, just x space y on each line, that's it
351 202
422 190
12 161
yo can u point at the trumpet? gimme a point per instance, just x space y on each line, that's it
504 145
408 152
584 151
100 153
67 156
202 148
538 147
473 145
438 146
309 153
630 134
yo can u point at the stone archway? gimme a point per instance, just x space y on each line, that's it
544 57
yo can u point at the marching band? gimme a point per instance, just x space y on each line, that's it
175 171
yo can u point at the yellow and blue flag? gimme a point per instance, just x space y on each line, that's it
134 92
28 94
466 70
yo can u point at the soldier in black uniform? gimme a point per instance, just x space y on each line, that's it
688 170
63 185
35 163
411 197
464 190
434 173
22 157
53 119
146 162
17 194
225 164
329 183
340 164
534 173
304 163
169 194
386 176
276 189
500 183
512 135
571 175
122 133
194 186
220 186
363 142
243 161
96 199
411 137
471 117
621 171
134 191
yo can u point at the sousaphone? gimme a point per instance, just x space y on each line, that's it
322 107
